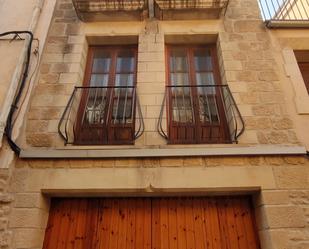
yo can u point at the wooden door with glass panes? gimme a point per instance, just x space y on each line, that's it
302 57
195 107
304 69
107 108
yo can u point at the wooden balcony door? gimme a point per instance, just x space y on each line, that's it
151 223
304 69
302 57
107 107
195 106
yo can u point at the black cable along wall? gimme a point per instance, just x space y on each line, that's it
14 106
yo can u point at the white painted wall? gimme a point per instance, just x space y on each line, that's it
17 15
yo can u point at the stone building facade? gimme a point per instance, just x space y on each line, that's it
268 162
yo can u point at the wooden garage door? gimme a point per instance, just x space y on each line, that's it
151 223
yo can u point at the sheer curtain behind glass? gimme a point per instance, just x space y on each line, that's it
124 79
97 95
208 109
182 108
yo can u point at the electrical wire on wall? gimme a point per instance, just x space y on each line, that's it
14 106
36 53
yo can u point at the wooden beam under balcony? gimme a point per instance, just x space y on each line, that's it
189 9
111 10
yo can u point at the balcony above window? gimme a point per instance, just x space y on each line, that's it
285 13
189 9
110 10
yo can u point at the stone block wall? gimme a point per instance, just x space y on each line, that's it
245 54
252 73
5 208
279 186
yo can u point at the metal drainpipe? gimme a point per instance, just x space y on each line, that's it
18 70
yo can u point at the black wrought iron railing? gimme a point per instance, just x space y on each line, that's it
191 4
189 9
109 5
200 114
102 115
285 12
92 10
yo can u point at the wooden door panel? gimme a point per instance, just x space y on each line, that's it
97 135
146 223
105 223
181 134
213 134
121 134
54 223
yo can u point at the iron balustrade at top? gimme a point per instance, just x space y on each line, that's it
109 5
98 115
104 10
208 108
285 12
192 4
189 9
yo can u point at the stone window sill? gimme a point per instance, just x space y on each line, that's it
166 151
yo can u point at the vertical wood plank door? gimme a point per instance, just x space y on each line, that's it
151 223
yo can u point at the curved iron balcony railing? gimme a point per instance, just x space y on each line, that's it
102 115
200 114
189 9
285 13
107 10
